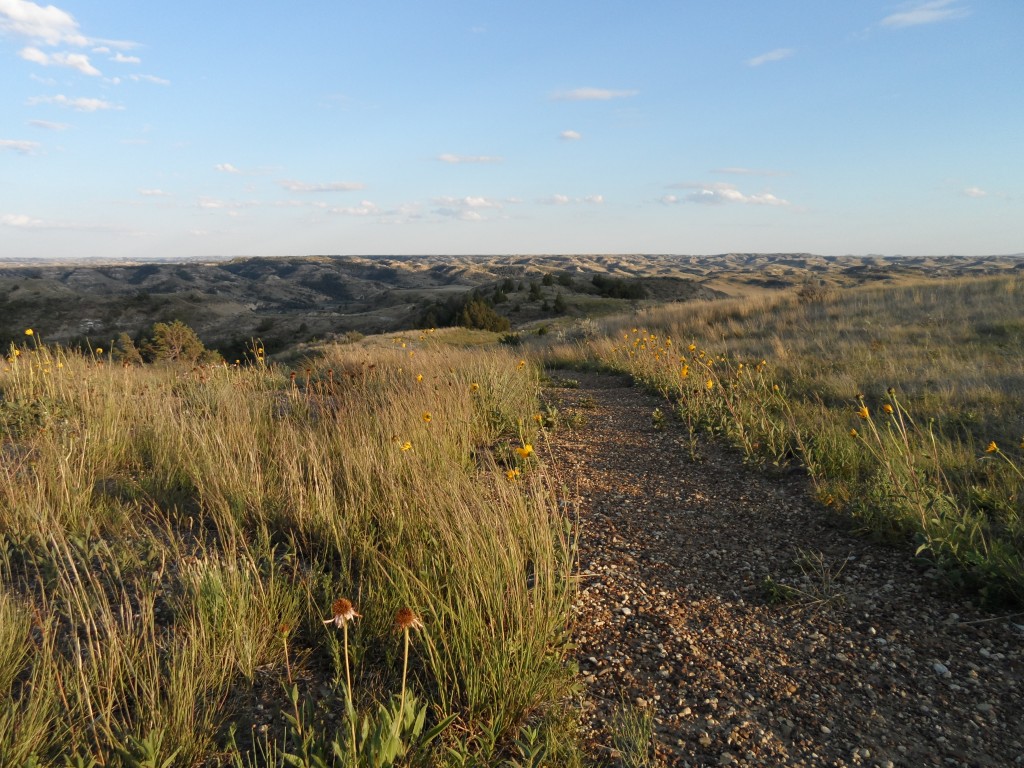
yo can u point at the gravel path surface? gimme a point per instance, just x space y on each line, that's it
866 660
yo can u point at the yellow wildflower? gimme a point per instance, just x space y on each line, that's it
863 412
29 331
853 433
426 416
522 364
99 350
685 371
513 473
887 408
474 387
710 384
406 446
692 347
419 377
525 451
992 447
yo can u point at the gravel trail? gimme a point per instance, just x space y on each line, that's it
868 660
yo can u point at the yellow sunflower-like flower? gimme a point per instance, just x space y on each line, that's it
525 451
863 412
992 447
426 416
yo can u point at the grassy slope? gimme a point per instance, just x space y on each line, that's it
171 543
904 402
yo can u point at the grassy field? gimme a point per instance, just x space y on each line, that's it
361 562
904 402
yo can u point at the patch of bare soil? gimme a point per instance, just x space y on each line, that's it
861 659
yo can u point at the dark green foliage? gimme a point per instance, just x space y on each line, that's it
613 288
468 310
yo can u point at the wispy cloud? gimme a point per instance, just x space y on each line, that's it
570 135
465 208
20 146
77 61
149 79
120 58
330 186
226 168
455 159
21 221
566 200
776 55
365 208
930 12
975 192
81 104
592 94
720 193
49 125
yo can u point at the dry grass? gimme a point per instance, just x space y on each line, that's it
171 541
906 403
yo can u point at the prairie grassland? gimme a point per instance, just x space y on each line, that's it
905 403
177 548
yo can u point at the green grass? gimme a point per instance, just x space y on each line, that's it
172 540
935 458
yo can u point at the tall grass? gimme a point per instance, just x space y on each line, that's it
905 403
171 542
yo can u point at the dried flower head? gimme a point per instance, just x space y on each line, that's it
342 612
406 619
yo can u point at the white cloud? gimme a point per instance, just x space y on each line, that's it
120 58
150 79
776 55
77 61
332 186
719 193
48 24
49 125
21 221
465 208
929 12
975 192
365 208
454 159
570 135
81 104
226 168
20 146
592 94
558 199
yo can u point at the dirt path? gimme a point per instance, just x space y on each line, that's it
871 663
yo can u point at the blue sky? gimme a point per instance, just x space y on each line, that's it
132 129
